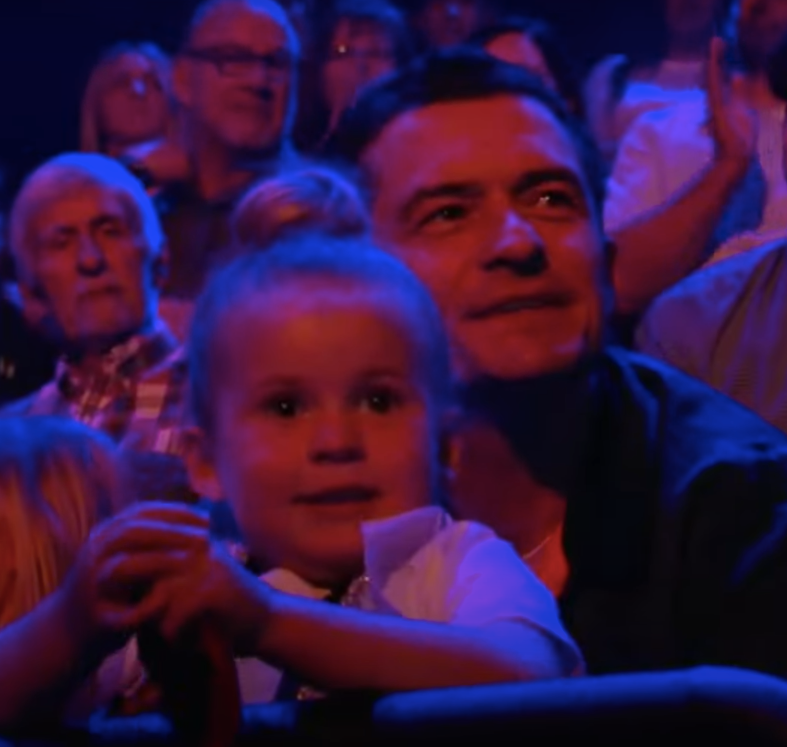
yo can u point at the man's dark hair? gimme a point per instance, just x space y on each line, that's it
452 76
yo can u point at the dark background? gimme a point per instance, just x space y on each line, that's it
48 46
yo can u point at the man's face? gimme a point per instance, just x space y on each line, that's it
235 79
497 221
446 23
89 268
761 26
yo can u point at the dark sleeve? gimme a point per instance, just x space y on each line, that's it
732 601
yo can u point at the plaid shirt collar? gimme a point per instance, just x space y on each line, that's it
122 365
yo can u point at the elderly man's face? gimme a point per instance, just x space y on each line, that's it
498 222
89 267
235 79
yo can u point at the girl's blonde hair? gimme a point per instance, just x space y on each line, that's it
314 199
58 480
91 138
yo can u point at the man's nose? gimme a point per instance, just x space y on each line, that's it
517 247
337 437
139 87
90 257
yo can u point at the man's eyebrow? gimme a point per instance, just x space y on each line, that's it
449 190
108 219
539 177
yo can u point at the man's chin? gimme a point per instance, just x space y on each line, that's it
519 364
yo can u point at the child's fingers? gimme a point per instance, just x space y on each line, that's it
172 512
144 535
152 607
125 571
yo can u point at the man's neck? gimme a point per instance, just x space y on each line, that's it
522 450
89 359
220 172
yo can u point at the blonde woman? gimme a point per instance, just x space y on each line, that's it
127 100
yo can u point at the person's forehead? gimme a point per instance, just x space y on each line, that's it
301 313
78 201
477 141
243 25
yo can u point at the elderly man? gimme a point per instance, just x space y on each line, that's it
653 507
234 80
90 257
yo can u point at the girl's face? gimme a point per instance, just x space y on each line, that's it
323 419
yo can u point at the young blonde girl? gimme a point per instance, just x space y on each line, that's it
58 481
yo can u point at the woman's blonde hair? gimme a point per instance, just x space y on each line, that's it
314 199
58 480
91 138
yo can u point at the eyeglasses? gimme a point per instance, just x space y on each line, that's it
345 52
238 63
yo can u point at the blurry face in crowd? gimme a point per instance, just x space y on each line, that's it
693 20
498 222
359 53
761 26
133 106
324 418
235 79
520 49
446 23
90 276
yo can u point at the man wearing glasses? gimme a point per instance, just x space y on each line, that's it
235 82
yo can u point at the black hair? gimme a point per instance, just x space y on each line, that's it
456 75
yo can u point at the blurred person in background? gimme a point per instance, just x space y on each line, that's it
446 23
535 45
357 42
667 67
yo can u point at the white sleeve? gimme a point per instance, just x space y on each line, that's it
486 582
637 183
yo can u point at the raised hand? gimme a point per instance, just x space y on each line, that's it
732 122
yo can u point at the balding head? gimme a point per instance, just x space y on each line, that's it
210 13
89 250
235 76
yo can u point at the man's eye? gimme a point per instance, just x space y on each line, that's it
445 214
283 407
555 199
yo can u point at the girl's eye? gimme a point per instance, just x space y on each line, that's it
283 407
381 401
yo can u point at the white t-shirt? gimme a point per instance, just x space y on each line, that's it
424 566
664 150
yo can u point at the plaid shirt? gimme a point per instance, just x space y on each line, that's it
137 397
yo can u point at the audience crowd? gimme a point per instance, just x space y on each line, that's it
367 347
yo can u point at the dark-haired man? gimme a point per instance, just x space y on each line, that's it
650 505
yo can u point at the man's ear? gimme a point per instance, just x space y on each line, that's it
161 267
34 306
197 455
448 445
181 89
610 255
